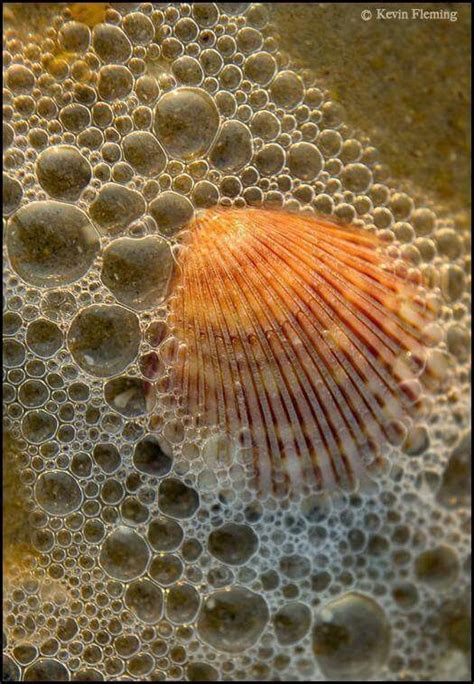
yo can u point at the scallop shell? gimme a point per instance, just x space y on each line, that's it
290 330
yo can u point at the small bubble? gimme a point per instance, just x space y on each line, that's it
292 623
233 544
38 426
115 82
182 603
138 271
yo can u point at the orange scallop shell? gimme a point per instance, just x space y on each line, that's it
290 329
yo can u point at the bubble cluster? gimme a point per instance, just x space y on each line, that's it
145 551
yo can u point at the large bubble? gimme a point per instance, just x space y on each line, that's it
351 638
138 271
124 555
186 122
233 620
51 243
104 339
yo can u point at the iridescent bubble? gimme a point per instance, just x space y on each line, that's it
287 90
292 622
111 44
171 212
177 499
46 670
107 457
75 118
265 125
453 282
357 177
81 464
152 456
12 194
166 569
142 150
187 71
139 28
19 79
38 426
205 195
11 671
233 147
211 61
165 534
205 13
115 82
233 544
182 603
305 161
455 489
127 395
88 674
201 672
75 36
437 567
13 353
270 159
44 338
260 67
249 39
33 393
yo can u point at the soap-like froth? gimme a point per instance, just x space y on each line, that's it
137 542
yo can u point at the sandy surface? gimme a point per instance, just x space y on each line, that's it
403 82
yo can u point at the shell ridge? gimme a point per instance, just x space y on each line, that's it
214 404
386 373
251 381
303 384
337 291
281 409
195 375
326 323
294 389
221 319
293 331
196 286
340 402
